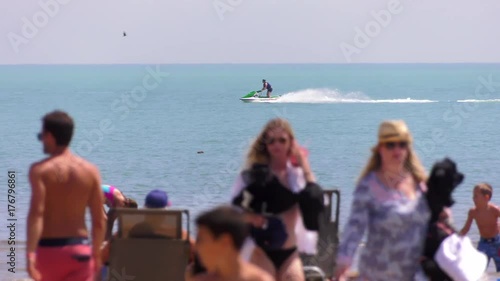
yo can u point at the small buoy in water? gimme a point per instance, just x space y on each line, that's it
200 152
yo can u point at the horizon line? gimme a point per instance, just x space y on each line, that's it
240 63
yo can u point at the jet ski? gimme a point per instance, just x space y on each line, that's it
255 97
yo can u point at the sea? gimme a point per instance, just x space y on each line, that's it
183 128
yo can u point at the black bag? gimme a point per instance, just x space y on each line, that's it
312 204
264 194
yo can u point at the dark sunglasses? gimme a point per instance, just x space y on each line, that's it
392 144
280 140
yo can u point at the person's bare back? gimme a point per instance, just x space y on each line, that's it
70 184
63 185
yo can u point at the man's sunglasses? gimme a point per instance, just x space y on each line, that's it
392 144
280 140
39 136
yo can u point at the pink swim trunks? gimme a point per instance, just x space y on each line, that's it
66 259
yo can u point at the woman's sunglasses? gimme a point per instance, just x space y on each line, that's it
281 140
392 144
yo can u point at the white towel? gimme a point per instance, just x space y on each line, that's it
460 260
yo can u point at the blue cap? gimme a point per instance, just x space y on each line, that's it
156 199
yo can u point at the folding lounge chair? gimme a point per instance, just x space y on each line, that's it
321 265
149 245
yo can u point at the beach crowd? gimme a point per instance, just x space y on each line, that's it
271 216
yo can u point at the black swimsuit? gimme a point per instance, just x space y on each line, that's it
264 194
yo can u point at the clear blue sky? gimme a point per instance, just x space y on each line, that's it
248 31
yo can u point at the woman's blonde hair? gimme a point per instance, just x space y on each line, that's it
395 130
258 153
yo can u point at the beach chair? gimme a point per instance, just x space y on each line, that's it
149 245
322 265
314 273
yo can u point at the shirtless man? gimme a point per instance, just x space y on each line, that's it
63 186
486 215
221 234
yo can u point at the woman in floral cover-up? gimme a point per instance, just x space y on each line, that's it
389 203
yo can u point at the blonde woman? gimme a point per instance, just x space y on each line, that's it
271 191
389 204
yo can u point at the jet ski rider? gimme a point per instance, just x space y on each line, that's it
266 86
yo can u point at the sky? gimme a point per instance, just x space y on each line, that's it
249 31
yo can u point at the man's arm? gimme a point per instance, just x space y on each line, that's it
468 223
95 204
37 207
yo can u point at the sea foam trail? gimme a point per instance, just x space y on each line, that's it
472 100
335 96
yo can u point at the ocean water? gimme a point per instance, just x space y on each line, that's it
146 139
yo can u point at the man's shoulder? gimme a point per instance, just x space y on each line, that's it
53 162
74 164
84 167
40 166
83 163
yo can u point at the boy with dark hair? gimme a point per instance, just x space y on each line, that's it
221 234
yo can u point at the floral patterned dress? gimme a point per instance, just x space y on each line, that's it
396 227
